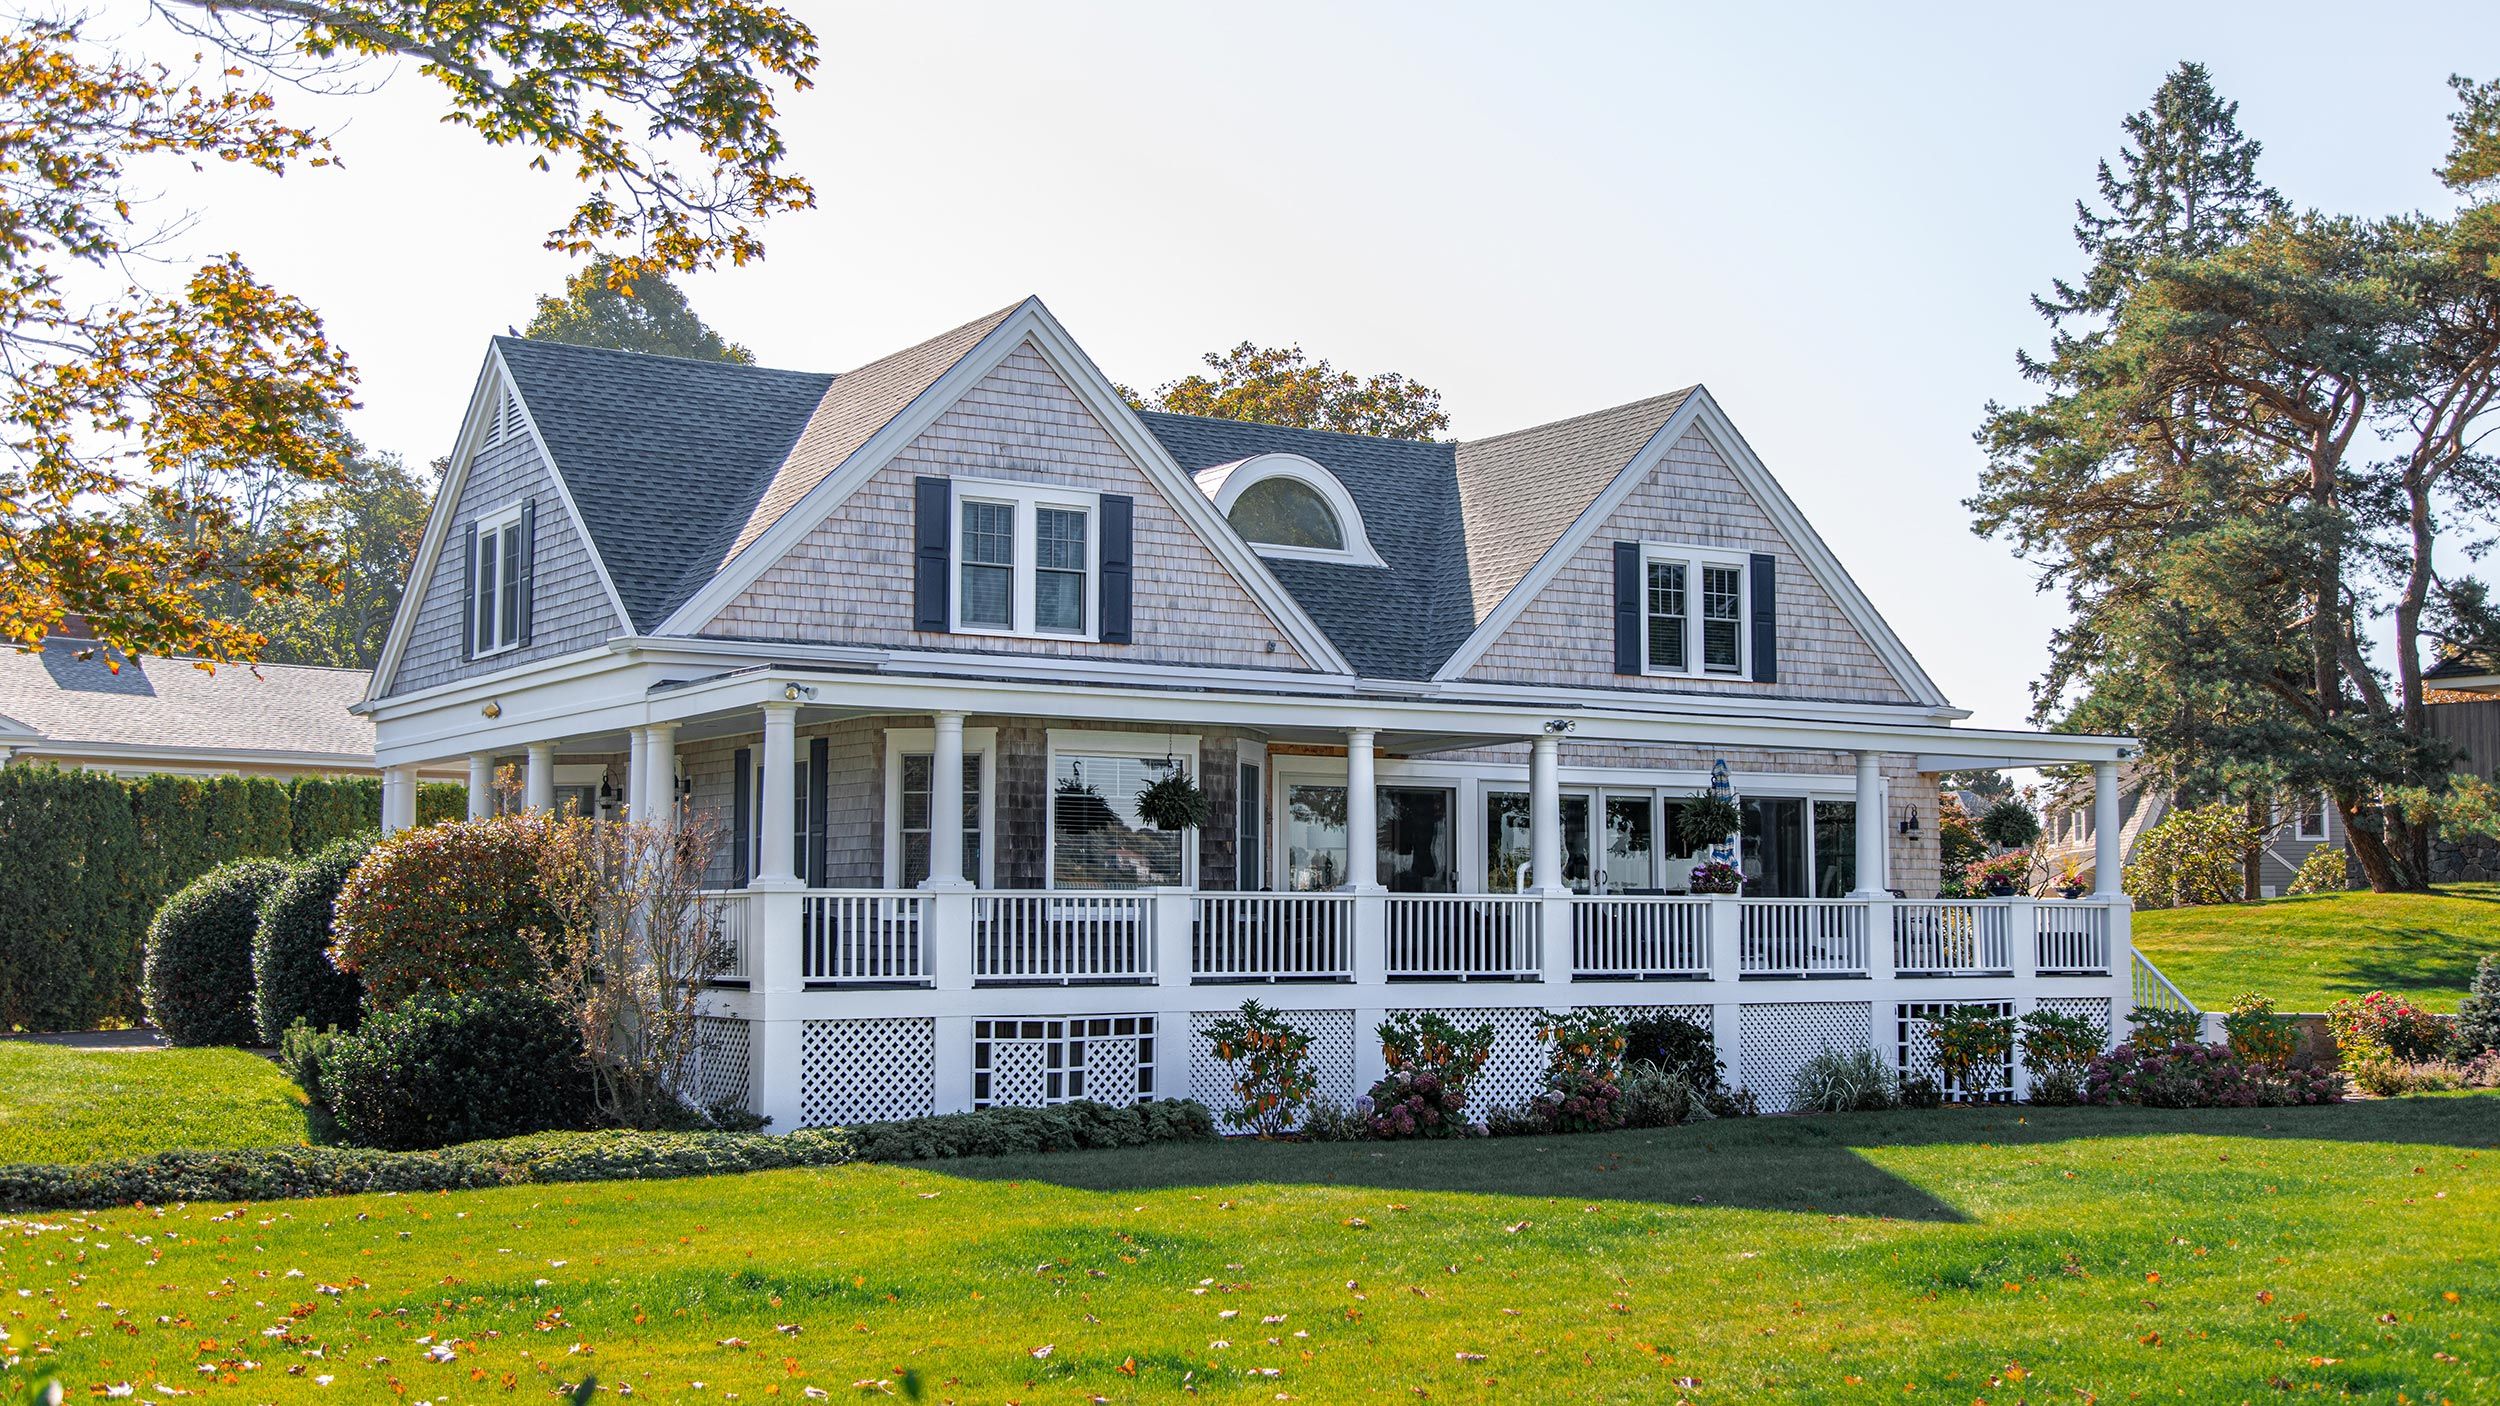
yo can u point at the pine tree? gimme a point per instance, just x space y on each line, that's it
2478 1015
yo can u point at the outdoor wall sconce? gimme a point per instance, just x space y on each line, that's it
1909 822
492 710
793 692
1559 726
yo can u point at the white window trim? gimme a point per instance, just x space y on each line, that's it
1087 742
1694 558
1225 483
488 529
1025 498
901 742
2326 825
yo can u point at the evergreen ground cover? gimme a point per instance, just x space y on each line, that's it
1999 1254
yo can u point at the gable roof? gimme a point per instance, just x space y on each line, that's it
1519 492
1400 619
168 705
666 457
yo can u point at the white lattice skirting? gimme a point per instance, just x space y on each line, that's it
1917 1047
1331 1034
862 1071
2095 1009
1775 1039
1040 1062
720 1065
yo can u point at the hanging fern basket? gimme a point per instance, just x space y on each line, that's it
1174 803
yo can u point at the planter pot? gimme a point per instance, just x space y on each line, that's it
2072 891
1999 888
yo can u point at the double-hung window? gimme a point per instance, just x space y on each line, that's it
1026 560
2309 819
495 583
1693 611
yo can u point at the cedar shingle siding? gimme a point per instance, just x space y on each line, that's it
570 607
1565 635
849 581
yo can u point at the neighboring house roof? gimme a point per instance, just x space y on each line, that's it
2464 673
162 708
1519 492
1400 619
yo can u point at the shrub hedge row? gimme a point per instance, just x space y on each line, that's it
281 1173
86 859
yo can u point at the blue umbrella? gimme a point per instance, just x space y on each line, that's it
1724 852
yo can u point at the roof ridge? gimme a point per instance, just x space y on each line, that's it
222 664
1675 395
738 366
1301 429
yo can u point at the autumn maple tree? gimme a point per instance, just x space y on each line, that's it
149 395
1285 386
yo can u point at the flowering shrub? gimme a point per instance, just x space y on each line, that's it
2161 1026
2321 872
2058 1050
2191 857
1431 1061
2000 873
1715 876
2257 1035
2390 1024
1972 1044
1272 1077
446 906
1583 1090
2202 1076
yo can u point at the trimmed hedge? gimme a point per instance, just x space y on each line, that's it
292 978
282 1173
444 907
444 1068
199 967
86 860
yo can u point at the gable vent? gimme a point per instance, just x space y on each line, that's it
510 427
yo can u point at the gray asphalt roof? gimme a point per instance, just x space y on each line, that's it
169 703
678 465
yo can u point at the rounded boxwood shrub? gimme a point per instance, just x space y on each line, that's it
446 1067
292 976
446 907
198 983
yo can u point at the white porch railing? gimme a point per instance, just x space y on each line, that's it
1950 937
1802 937
1272 937
2148 987
733 918
1639 939
1054 937
862 937
1460 936
2071 937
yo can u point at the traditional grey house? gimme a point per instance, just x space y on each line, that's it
916 638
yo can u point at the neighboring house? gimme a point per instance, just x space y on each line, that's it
2295 826
915 637
168 715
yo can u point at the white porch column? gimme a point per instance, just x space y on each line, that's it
399 798
481 785
637 777
1874 844
778 862
946 805
2108 860
539 792
1545 837
658 777
1362 813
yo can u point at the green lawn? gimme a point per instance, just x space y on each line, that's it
69 1105
1999 1255
2306 952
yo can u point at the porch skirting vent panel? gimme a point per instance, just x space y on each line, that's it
1918 1047
862 1071
1042 1063
1332 1059
1775 1038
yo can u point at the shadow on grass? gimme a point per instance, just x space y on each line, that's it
1804 1164
2405 968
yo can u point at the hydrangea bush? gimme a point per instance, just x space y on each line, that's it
1431 1062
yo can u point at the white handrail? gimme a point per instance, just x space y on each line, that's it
1058 937
1950 936
1645 937
1272 937
2071 936
861 936
2150 988
1460 936
1802 937
731 920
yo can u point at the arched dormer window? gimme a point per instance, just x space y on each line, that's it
1285 505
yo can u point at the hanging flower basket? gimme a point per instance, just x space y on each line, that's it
1707 820
1174 803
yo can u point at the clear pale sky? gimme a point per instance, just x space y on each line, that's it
1831 216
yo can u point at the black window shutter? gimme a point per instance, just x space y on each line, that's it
1119 515
741 816
467 577
932 531
529 566
1766 618
812 865
1627 607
